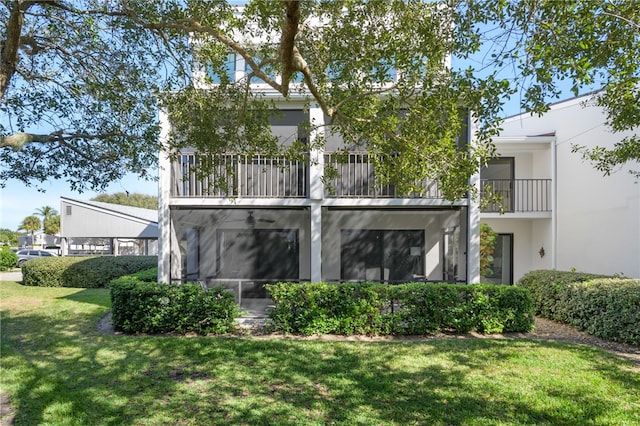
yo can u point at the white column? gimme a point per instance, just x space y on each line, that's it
473 232
64 246
164 194
473 229
316 192
554 205
316 242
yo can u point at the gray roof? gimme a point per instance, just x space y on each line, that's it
137 212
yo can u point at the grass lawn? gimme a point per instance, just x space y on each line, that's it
58 370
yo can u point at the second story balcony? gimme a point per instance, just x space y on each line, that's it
356 178
239 176
242 176
516 195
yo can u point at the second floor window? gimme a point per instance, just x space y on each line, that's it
226 72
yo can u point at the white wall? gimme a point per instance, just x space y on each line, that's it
598 217
529 235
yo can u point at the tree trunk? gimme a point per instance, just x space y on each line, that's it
11 43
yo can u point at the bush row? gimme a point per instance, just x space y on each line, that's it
140 306
8 259
546 286
605 307
405 309
88 272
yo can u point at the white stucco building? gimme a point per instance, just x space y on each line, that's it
561 213
279 221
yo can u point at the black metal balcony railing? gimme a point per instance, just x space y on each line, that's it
516 195
356 178
235 175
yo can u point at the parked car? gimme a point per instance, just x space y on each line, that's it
28 254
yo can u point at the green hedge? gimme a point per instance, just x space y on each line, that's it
405 309
605 307
8 259
149 307
87 272
546 287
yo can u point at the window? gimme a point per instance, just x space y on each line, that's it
268 70
226 72
262 254
502 264
68 210
497 180
381 255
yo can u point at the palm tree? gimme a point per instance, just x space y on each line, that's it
30 224
47 213
51 225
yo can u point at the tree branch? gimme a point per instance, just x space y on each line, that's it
18 141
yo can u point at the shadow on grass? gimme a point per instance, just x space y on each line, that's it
57 372
95 296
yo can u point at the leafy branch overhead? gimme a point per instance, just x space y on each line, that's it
81 80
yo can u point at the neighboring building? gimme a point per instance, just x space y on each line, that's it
40 239
561 213
91 227
279 221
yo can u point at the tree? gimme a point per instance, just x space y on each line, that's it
8 237
50 219
51 225
126 199
592 44
385 89
30 224
488 240
77 93
86 70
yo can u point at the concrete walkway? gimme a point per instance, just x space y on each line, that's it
11 276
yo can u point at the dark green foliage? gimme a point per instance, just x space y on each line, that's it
415 308
546 287
8 259
321 308
149 307
603 306
607 308
87 272
148 275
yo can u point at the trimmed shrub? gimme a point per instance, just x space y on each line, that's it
86 272
8 259
321 308
546 287
603 306
415 308
607 308
148 275
149 307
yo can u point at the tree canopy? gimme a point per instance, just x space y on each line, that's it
80 80
126 199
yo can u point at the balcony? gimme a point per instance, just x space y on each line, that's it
356 178
239 176
242 176
516 195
